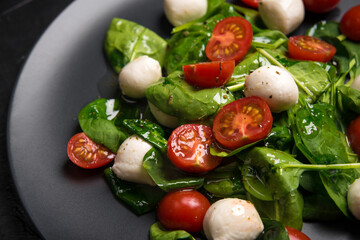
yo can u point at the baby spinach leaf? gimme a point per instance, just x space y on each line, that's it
100 118
273 230
324 28
127 40
287 210
166 175
279 138
263 176
318 207
319 139
149 131
158 232
312 79
225 183
350 98
176 97
140 198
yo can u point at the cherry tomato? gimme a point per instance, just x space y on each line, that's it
243 121
189 148
353 134
350 23
230 40
310 48
209 74
320 6
183 210
86 153
252 3
295 234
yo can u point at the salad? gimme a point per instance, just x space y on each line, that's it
230 129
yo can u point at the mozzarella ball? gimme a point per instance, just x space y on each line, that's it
353 198
232 219
128 161
163 118
282 15
356 83
179 12
275 85
137 75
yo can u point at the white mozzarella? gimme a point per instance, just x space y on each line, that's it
128 161
356 83
282 15
275 85
179 12
232 219
137 75
353 198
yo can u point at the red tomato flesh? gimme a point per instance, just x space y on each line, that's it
353 134
242 122
230 40
86 153
183 210
350 23
295 234
310 48
320 6
209 74
189 148
252 3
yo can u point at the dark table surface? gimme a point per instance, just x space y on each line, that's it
21 24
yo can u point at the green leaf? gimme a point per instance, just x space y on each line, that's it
279 138
264 176
126 40
350 98
273 230
319 207
176 97
287 210
100 118
158 232
166 175
139 198
149 131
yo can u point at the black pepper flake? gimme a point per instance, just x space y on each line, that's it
270 96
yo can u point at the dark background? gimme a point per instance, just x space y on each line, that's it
21 24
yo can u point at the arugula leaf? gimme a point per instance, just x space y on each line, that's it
158 232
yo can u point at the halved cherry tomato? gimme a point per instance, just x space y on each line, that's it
209 74
242 122
320 6
353 134
252 3
230 40
183 210
86 153
189 148
310 48
295 234
350 23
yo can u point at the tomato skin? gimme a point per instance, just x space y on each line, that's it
242 122
295 234
350 23
183 210
85 153
230 40
209 74
310 48
320 6
252 3
353 134
188 148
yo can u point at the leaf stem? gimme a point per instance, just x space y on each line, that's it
322 166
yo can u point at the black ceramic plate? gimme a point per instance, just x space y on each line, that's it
67 70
